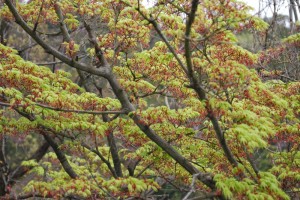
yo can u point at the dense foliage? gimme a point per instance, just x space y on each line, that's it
161 97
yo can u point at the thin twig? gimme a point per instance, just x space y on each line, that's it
64 110
143 170
49 63
192 187
38 18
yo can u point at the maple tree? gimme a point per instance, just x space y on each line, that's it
165 97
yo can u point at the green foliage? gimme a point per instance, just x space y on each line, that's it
292 39
246 188
215 113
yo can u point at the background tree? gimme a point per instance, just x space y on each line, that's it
111 133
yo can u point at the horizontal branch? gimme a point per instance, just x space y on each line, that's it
39 196
49 34
65 110
49 63
29 195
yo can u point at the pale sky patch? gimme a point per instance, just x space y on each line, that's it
282 8
267 10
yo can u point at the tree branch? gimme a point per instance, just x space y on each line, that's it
69 61
178 7
4 27
110 137
187 51
98 51
192 187
114 152
4 167
38 18
103 159
67 38
221 139
163 37
49 63
205 178
26 47
61 157
65 110
63 26
197 86
106 72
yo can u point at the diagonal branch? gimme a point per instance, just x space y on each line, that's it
63 26
38 18
162 36
49 63
98 51
69 61
61 157
192 187
205 178
26 48
178 7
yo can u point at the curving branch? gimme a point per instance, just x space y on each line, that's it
188 53
197 86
